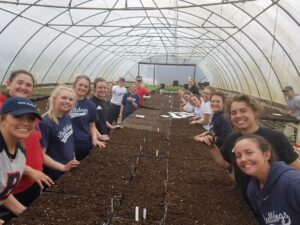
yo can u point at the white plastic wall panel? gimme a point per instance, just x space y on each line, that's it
30 51
5 19
72 63
88 60
231 75
61 61
43 15
83 17
12 39
242 76
48 56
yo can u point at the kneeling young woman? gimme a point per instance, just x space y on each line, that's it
17 123
273 190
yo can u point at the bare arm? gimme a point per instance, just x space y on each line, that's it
121 110
51 163
13 205
113 126
38 176
218 158
94 133
204 120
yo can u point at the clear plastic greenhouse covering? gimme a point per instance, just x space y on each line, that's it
249 46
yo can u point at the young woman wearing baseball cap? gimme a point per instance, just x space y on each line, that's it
17 119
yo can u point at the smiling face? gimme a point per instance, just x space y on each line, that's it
250 159
216 103
101 89
18 127
121 83
206 94
63 102
195 101
81 88
243 116
139 83
21 85
132 89
288 93
180 92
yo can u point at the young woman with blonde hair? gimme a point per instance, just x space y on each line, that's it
57 133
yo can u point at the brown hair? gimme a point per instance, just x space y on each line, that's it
261 142
194 83
212 89
16 73
248 100
220 94
97 80
85 77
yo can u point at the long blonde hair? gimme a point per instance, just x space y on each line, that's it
56 92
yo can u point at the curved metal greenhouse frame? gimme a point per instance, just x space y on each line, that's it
248 46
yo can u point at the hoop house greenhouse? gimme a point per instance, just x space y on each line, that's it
147 169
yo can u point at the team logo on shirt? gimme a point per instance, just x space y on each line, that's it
11 182
65 133
77 112
99 107
277 219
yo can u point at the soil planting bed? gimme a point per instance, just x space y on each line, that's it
157 167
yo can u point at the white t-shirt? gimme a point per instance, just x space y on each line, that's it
117 94
198 111
206 109
188 107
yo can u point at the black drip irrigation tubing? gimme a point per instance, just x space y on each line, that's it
119 199
115 207
60 193
151 154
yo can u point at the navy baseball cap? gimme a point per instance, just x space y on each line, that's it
18 106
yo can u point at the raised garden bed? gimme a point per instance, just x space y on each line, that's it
165 172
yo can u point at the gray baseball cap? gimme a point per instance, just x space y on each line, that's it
287 88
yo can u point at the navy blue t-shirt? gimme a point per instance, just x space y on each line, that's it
128 107
82 115
58 140
221 127
102 110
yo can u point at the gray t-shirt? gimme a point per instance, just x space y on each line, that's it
294 105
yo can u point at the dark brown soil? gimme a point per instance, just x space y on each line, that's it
166 172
